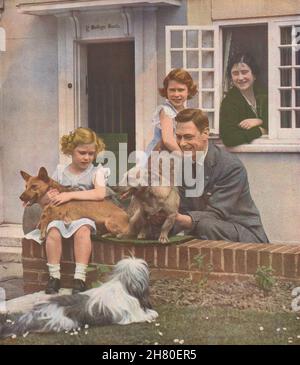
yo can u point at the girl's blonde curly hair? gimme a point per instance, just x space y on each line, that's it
69 142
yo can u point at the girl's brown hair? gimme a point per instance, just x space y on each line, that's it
183 77
80 136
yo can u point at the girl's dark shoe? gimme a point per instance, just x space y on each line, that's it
78 286
53 286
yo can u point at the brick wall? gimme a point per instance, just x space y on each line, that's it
228 260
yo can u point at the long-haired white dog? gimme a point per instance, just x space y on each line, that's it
123 299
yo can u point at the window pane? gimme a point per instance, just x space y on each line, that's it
297 56
297 97
297 77
285 56
207 39
286 35
192 59
207 80
192 39
176 59
208 100
207 59
193 103
176 39
286 77
285 97
285 119
211 119
297 117
195 77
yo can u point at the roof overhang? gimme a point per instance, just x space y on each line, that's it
59 7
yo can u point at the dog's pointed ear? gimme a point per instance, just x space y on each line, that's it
43 174
25 176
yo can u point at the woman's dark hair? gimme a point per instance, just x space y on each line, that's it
242 58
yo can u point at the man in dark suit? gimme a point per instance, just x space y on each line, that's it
225 210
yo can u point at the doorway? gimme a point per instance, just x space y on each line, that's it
111 93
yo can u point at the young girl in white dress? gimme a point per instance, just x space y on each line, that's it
82 145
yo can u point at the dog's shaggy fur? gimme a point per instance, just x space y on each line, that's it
123 299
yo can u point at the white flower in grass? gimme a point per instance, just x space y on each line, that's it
284 328
278 329
156 343
25 334
261 328
157 324
9 321
181 342
13 336
86 326
160 333
176 340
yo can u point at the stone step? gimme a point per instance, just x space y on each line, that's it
10 254
10 270
11 235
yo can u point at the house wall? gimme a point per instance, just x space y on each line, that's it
274 184
204 11
165 16
29 123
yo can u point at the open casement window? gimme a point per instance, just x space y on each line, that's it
284 63
196 49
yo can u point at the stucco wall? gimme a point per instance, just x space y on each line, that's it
202 12
165 16
274 184
29 102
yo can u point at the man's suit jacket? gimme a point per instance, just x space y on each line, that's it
226 195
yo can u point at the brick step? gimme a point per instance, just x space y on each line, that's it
220 258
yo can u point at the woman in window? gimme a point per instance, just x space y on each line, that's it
244 110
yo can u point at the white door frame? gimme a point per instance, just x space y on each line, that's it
138 24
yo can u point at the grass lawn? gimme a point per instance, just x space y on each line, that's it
195 325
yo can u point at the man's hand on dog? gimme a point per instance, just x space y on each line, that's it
182 220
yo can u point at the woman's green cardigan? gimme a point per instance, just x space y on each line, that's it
234 109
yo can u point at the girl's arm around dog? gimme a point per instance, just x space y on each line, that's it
98 193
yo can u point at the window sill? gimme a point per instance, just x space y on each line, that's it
262 145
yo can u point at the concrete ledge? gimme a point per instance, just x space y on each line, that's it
11 235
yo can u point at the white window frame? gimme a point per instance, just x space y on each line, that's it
274 30
214 69
276 141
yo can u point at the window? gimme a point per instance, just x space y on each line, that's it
196 50
203 53
287 72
